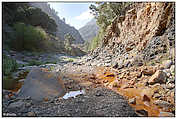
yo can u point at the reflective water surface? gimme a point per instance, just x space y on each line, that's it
73 94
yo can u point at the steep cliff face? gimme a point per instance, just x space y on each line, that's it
146 32
142 23
62 28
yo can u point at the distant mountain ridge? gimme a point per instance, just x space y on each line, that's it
89 31
62 28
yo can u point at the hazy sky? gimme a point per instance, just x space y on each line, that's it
75 14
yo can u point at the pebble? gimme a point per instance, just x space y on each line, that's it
172 68
6 97
157 95
99 113
167 64
170 86
31 114
28 104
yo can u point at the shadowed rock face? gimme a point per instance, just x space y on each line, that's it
40 85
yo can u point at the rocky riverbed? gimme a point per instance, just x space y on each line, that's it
144 95
108 92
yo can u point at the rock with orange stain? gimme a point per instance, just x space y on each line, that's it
41 84
146 98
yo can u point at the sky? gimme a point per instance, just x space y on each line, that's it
75 14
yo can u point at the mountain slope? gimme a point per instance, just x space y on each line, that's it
89 31
62 28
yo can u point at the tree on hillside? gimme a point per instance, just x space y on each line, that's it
23 12
105 12
68 41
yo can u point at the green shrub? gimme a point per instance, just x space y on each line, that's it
33 38
9 65
28 37
18 42
71 60
50 62
34 62
8 36
94 43
37 17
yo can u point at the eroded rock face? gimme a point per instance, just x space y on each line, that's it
41 85
146 32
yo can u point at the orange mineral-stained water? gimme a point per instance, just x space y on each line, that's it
132 92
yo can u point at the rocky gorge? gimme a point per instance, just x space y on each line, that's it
132 73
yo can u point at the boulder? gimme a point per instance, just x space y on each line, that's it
41 84
158 77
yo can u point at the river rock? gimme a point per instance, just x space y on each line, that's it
167 64
31 114
158 77
170 86
156 95
172 68
41 84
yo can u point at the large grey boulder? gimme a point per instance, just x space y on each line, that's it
41 84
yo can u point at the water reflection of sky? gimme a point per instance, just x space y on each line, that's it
73 94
